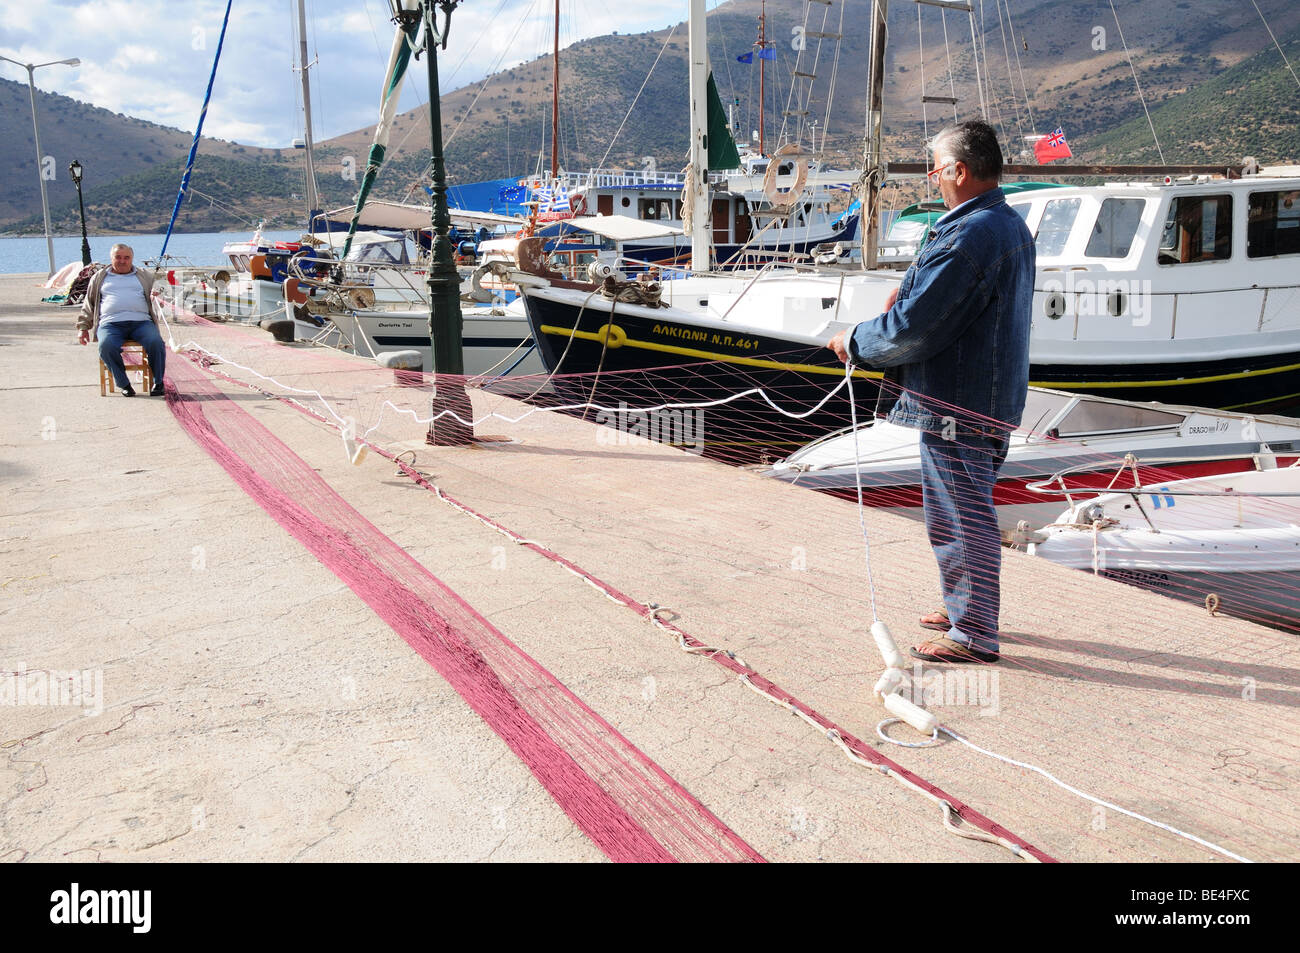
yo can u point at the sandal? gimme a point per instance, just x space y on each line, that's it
937 620
946 650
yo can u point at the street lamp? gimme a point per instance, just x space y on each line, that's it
31 85
75 169
445 322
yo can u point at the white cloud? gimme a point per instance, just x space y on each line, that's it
151 59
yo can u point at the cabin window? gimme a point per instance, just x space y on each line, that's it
1273 224
1054 227
1022 209
1115 228
1197 228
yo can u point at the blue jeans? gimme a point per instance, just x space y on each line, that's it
957 478
111 337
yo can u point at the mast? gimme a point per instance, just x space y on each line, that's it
698 55
872 168
313 201
555 98
762 75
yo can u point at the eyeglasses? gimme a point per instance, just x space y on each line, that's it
932 173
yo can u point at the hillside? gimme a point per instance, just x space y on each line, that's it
1216 87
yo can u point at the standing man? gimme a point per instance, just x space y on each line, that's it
957 333
117 309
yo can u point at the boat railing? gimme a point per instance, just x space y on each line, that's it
622 178
1055 484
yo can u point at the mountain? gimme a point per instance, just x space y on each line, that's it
1215 87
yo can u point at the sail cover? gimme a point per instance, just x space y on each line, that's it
398 60
722 148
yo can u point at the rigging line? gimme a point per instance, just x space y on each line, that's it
1029 109
835 72
947 55
979 83
790 100
726 56
486 79
636 98
1011 82
1133 70
925 122
817 59
1275 42
374 34
995 101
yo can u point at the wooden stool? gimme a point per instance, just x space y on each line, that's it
133 359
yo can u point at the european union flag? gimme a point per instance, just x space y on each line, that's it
746 57
512 193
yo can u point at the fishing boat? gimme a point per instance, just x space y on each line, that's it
1184 290
1230 542
1096 439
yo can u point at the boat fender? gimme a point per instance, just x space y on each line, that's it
923 721
888 648
889 683
785 198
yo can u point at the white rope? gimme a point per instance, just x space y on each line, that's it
1095 800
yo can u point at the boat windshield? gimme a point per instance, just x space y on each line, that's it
391 252
1096 416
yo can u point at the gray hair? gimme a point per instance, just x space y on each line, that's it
975 144
113 251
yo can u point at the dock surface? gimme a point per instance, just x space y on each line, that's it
253 706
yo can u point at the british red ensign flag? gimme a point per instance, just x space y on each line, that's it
1052 147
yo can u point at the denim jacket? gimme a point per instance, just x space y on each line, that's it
958 334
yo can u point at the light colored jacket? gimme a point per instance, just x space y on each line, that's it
88 320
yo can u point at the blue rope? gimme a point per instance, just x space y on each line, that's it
198 133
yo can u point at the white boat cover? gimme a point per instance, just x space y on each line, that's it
382 214
619 228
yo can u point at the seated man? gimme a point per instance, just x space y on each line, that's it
117 309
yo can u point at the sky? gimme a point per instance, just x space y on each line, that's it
151 60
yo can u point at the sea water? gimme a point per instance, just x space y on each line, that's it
28 254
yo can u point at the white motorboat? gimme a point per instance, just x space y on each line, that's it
1230 542
1093 437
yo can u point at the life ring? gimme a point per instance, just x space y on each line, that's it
785 198
578 204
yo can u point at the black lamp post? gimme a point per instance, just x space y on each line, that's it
445 321
76 170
